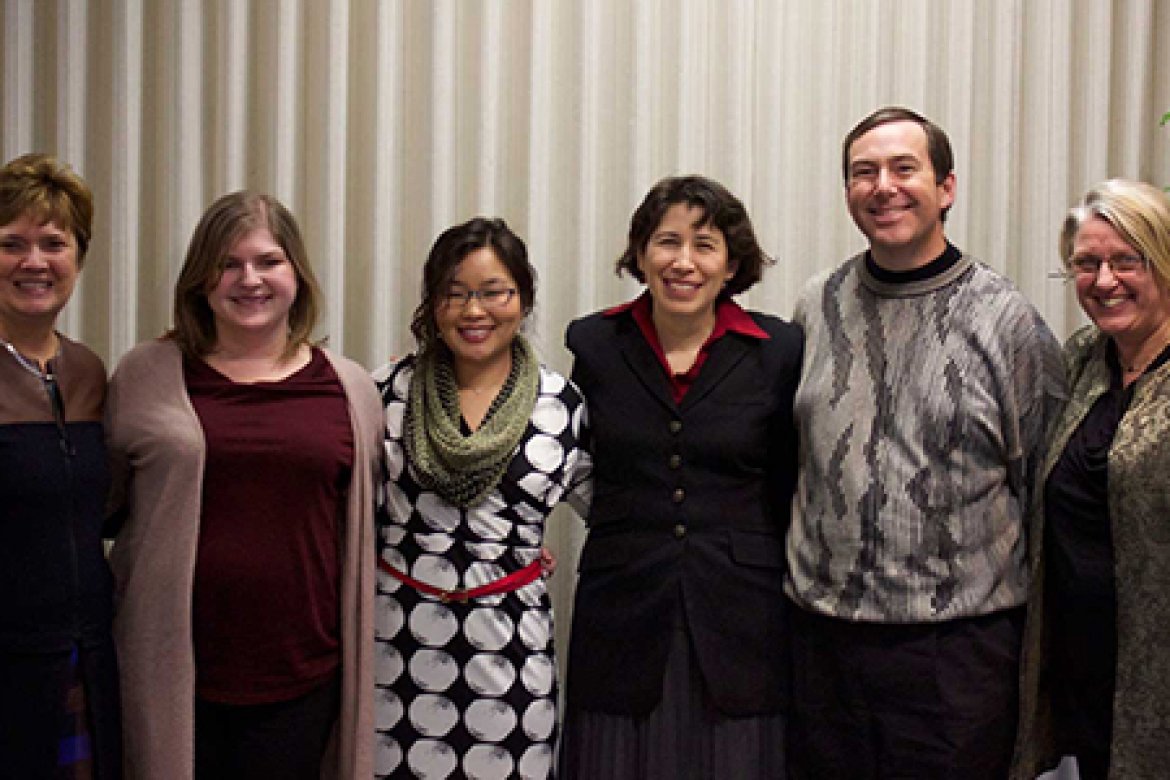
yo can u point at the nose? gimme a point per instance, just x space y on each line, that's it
1110 278
884 181
249 274
34 258
474 305
685 258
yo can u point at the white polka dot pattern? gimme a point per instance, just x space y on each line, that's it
469 689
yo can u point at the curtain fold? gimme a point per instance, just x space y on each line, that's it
381 122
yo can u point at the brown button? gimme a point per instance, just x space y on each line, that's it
678 495
675 461
675 426
680 531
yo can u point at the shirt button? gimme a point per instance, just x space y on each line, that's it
675 426
678 495
680 531
675 461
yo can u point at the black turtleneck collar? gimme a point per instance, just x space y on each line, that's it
938 265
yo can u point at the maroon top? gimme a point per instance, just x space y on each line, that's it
267 577
729 317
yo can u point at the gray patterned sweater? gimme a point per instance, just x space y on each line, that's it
922 410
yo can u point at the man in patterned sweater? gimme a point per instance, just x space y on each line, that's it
927 387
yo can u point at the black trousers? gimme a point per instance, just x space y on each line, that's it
284 740
922 701
34 712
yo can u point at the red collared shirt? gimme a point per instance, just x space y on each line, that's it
729 318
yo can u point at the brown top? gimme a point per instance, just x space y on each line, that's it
79 373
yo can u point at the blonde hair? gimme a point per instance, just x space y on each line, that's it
224 223
1139 212
43 187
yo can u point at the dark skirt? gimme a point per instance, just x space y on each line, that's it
683 737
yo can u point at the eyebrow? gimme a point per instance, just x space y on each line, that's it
46 229
489 280
278 252
900 157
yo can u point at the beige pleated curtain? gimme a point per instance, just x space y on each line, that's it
380 122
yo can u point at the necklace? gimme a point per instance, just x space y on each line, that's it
51 387
1139 364
28 364
492 388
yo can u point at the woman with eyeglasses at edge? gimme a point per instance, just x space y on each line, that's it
482 442
248 457
678 666
58 677
1096 667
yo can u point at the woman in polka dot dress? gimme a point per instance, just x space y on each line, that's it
482 442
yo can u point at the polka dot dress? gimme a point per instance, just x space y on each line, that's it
469 690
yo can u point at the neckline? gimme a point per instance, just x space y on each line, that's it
30 364
314 352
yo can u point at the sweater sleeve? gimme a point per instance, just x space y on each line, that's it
1039 390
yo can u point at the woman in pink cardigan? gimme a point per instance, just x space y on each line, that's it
244 566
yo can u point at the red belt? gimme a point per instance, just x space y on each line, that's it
514 581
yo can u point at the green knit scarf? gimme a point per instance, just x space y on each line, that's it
463 469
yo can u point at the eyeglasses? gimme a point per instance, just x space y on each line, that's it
491 298
1090 265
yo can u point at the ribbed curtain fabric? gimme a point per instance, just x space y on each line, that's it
381 122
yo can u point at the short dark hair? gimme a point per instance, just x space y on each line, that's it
938 146
48 190
719 208
225 222
450 248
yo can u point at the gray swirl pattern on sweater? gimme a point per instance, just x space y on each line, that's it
922 410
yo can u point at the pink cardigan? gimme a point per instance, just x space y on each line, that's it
157 449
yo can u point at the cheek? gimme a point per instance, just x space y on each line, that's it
292 283
442 319
1083 290
1160 302
514 321
217 285
515 318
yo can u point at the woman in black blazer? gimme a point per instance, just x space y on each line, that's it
678 664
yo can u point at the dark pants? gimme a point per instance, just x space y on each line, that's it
923 701
35 714
1083 671
283 740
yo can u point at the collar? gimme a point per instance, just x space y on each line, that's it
730 317
945 261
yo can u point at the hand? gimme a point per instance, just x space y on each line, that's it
548 562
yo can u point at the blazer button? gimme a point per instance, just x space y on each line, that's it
678 495
676 426
675 461
680 531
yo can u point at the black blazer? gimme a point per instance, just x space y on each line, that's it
691 503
